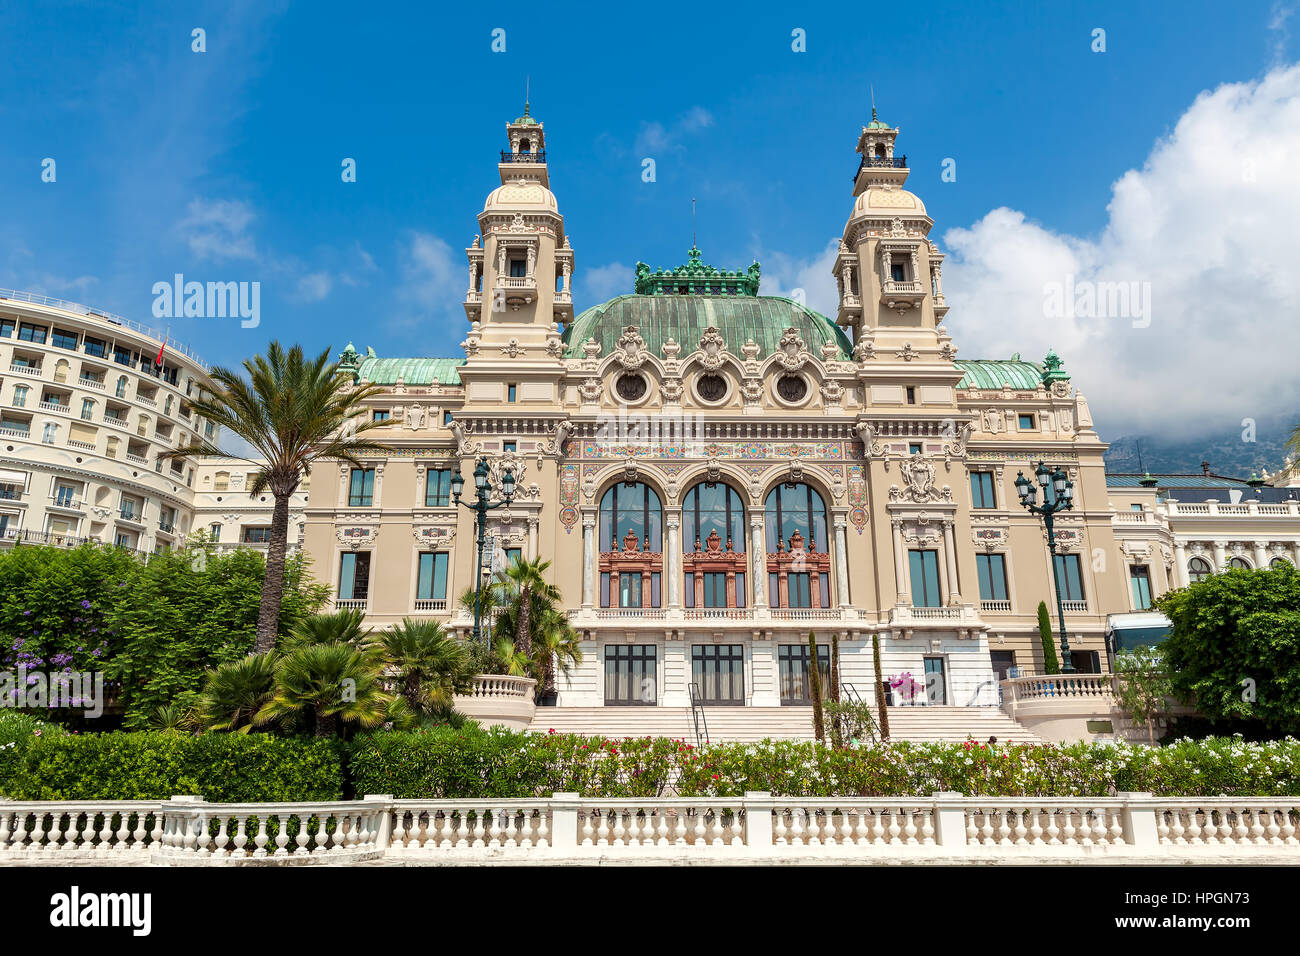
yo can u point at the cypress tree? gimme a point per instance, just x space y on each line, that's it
815 686
837 738
1050 664
882 702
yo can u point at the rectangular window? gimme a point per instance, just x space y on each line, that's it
6 328
925 578
718 673
122 356
1026 422
64 339
214 531
379 415
981 490
361 490
518 268
446 418
914 448
508 446
715 589
20 396
631 674
65 495
992 570
354 576
514 556
936 690
257 535
629 589
1140 579
95 347
432 584
792 667
1069 576
512 392
1003 663
87 408
800 592
911 395
32 333
897 272
1137 508
437 488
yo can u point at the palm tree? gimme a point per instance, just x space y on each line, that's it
236 691
526 584
555 645
432 666
294 412
341 627
329 684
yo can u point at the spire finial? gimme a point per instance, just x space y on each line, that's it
692 222
872 88
527 83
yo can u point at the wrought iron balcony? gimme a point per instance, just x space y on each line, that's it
537 157
880 162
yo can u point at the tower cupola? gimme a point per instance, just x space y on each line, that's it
878 165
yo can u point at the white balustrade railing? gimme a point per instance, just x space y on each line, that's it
502 685
188 830
1058 685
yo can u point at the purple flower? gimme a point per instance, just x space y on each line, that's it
27 613
85 605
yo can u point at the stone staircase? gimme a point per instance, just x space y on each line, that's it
780 723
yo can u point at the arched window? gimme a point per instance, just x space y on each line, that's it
1239 564
121 386
525 146
631 549
880 150
798 565
713 547
1279 563
61 368
1198 569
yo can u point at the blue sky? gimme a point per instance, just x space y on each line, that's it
225 165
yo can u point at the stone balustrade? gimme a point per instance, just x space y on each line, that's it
1056 686
757 827
499 700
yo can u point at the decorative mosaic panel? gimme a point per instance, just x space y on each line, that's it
857 498
569 497
732 450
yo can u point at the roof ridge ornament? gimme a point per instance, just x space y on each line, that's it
695 277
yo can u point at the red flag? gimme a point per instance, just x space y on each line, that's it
158 359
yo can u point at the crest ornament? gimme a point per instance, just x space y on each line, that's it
712 348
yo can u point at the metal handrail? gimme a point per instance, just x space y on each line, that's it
698 719
18 295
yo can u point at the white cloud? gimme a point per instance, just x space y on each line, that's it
654 137
1209 222
218 229
602 283
807 280
432 280
313 287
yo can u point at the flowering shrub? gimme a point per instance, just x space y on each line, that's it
498 763
17 732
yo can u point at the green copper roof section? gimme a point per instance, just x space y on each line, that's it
993 374
524 120
685 317
1052 370
876 123
696 278
412 371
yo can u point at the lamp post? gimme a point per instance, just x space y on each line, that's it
481 506
1062 500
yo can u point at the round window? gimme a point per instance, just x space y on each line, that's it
791 388
711 388
630 388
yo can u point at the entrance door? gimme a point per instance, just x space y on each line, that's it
936 689
719 672
631 676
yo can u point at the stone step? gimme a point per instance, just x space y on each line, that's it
789 723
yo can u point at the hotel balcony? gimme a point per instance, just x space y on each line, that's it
350 604
33 370
86 382
724 617
960 617
905 294
473 305
563 305
519 290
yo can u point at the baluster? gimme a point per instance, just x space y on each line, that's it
780 832
909 826
846 830
543 828
322 837
1240 832
1192 833
861 833
1176 828
399 829
1285 818
1115 831
1162 825
1004 828
618 833
156 834
1256 827
927 827
105 834
988 830
1019 831
679 827
1036 827
698 835
6 824
1223 833
972 828
1272 830
222 838
894 828
816 821
304 825
260 840
737 827
241 836
588 829
796 826
20 832
38 833
56 831
123 832
462 830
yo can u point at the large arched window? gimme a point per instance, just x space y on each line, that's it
713 546
631 550
798 565
1279 563
1239 564
1198 569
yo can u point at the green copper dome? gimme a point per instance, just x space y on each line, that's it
992 374
684 318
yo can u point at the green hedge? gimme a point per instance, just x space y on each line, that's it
467 763
17 732
459 763
228 768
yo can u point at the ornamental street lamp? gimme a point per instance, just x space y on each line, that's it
481 506
1062 500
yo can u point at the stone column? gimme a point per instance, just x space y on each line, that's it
588 558
1220 555
1180 566
674 563
841 559
758 558
950 560
568 272
1261 557
900 563
532 539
